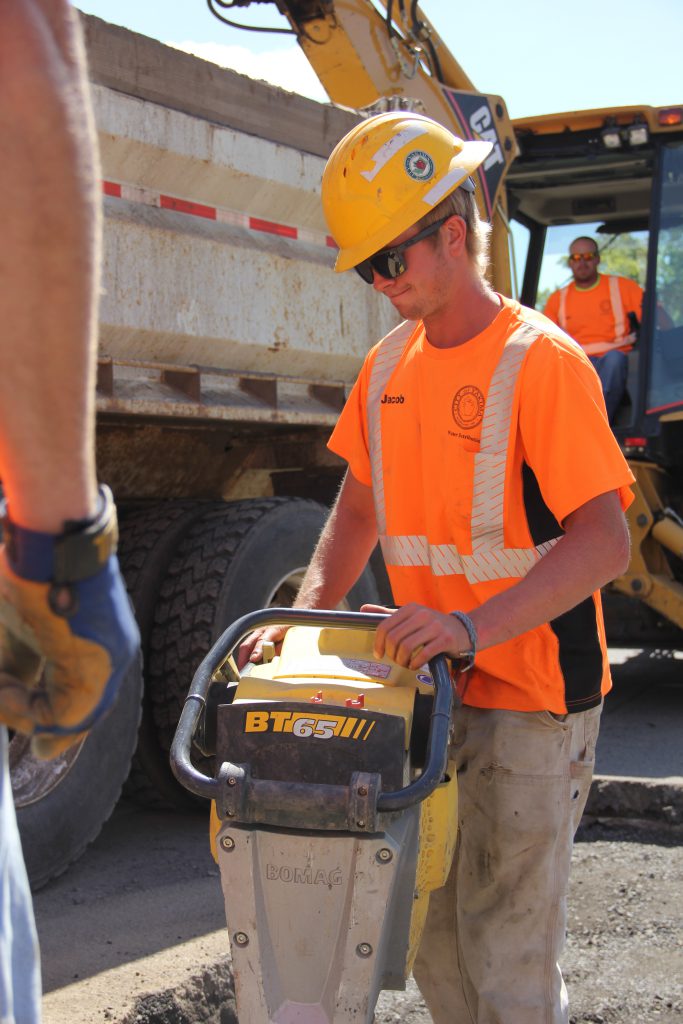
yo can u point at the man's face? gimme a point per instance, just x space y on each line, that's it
419 292
583 261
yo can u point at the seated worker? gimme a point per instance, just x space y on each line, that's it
594 310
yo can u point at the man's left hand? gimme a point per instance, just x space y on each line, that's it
413 634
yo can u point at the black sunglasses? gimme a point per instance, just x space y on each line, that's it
389 262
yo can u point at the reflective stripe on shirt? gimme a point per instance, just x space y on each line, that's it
621 337
490 559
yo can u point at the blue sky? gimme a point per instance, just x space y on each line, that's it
540 56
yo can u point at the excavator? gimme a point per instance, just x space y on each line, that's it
610 172
333 794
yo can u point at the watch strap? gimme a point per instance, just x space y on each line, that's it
467 657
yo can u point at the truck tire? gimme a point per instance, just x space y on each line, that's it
149 538
247 555
62 804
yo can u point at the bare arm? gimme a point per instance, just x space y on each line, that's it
49 211
345 545
72 627
592 552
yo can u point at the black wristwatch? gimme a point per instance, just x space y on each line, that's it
80 551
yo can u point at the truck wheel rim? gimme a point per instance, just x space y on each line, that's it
33 779
284 592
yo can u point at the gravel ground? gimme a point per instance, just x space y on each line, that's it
624 958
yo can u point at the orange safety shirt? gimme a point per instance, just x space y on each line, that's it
597 317
476 454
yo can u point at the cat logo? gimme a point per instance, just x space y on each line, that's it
481 123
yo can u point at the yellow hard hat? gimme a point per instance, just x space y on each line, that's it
386 174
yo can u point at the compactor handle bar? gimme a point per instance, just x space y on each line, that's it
202 785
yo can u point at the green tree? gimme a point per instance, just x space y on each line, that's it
625 255
670 273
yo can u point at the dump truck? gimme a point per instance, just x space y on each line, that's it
227 346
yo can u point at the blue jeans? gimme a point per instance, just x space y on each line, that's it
19 957
612 369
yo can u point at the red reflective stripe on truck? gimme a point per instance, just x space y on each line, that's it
136 194
256 224
185 206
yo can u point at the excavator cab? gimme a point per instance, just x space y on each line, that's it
618 177
578 174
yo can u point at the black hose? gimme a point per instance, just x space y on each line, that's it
236 24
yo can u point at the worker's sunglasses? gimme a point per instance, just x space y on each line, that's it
390 262
583 257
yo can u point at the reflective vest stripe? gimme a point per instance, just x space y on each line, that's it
406 550
490 559
562 311
621 337
490 461
388 355
617 308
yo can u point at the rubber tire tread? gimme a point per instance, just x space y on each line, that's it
56 830
149 538
210 584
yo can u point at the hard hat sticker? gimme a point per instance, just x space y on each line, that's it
391 147
446 184
419 165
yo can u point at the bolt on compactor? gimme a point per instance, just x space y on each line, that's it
334 811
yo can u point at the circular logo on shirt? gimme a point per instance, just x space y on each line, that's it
419 165
468 407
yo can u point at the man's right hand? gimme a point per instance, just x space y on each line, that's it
67 630
81 652
251 649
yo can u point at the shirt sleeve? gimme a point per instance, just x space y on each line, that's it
349 438
567 440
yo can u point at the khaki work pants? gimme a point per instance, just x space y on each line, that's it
495 931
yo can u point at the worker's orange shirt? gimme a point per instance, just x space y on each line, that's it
589 312
561 454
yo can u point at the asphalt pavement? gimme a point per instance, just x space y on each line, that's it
639 761
641 733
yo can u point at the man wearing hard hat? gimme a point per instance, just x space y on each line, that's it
463 438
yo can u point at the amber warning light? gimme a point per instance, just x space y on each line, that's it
670 117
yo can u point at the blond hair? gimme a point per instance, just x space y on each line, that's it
460 203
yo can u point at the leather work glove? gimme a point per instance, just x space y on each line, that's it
67 631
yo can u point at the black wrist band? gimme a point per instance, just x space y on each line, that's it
77 553
467 656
